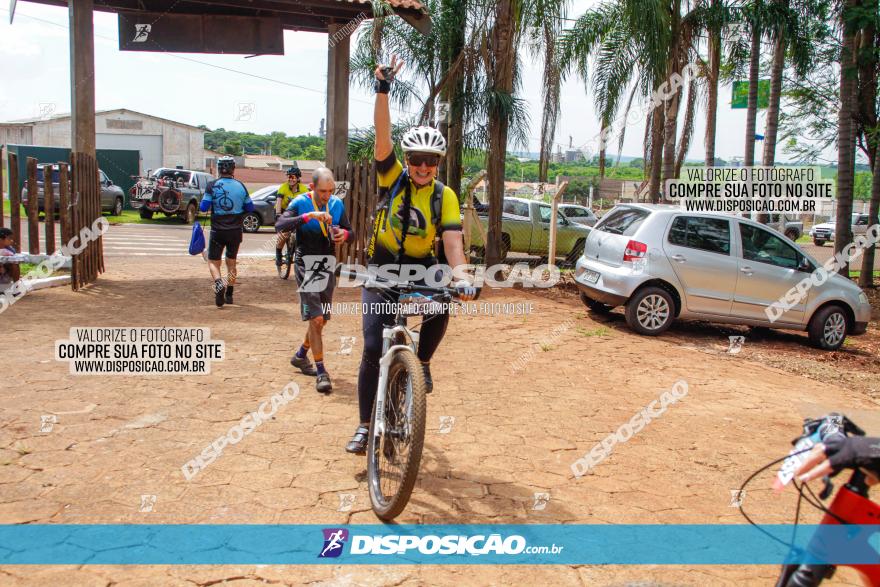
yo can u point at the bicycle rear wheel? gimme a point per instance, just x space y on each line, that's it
393 458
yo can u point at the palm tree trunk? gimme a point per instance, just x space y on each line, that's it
550 114
657 124
503 63
866 277
712 99
846 138
603 147
770 134
752 112
672 105
869 70
687 129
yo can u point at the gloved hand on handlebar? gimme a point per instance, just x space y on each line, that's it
466 290
841 452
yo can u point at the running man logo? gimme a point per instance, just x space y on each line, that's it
736 344
141 32
47 422
736 497
346 501
147 503
319 270
346 344
334 541
541 501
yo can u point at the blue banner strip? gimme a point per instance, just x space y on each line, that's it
438 544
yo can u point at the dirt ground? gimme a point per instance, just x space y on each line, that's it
496 434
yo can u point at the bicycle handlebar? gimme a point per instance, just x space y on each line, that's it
376 282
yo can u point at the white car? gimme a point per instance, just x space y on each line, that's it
821 233
579 214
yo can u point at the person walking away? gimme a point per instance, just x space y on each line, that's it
228 200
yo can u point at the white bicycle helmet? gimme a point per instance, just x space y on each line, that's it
424 139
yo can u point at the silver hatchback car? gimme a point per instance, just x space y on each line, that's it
662 263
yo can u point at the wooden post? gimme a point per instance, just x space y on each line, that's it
33 208
14 199
82 76
467 214
49 207
554 205
64 202
338 42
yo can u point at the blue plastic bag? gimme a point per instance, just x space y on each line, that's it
197 240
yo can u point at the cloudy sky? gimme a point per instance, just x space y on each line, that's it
288 92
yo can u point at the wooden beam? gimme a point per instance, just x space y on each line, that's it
82 76
338 41
554 211
14 198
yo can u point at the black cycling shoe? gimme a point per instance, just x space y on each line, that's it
304 365
322 384
228 295
429 383
358 443
219 293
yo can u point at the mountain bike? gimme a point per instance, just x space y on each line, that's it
397 427
851 505
287 251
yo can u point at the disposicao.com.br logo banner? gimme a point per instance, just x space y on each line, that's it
567 544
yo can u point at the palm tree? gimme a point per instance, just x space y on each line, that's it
629 43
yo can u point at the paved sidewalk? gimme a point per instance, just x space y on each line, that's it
495 437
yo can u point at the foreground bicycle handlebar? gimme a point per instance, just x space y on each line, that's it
851 504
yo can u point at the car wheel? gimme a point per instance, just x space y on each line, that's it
505 246
650 311
792 234
595 306
828 328
818 243
117 207
251 222
146 214
191 211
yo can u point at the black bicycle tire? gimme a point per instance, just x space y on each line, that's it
286 259
389 510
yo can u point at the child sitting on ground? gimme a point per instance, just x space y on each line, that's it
9 273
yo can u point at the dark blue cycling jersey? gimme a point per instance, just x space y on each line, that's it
228 200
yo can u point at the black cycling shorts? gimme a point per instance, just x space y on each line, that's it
319 297
224 239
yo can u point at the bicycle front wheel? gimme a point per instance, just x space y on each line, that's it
393 457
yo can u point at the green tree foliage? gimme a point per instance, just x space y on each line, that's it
275 143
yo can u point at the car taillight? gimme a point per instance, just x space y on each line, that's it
635 250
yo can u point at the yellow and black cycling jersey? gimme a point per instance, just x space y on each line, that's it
287 194
387 227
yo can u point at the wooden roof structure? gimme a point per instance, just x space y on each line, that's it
294 15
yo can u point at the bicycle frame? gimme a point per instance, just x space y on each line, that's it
851 505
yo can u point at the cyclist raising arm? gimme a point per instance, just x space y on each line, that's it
414 209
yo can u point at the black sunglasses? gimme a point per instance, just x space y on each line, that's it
417 159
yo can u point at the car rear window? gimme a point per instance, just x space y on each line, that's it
707 234
625 221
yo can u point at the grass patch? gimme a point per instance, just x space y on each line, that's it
546 347
600 331
857 273
804 239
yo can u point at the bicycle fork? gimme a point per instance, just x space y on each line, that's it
388 352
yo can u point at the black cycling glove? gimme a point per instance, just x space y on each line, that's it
854 451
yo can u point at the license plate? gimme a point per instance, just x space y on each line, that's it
591 276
